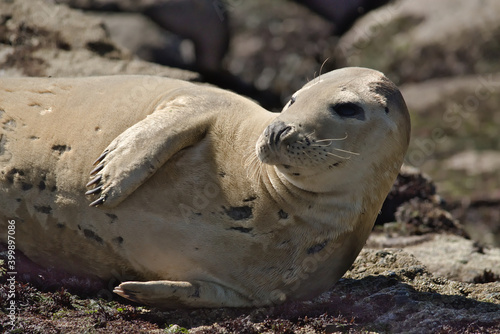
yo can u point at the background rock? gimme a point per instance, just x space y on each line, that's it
402 296
417 41
462 141
41 39
446 255
144 38
457 259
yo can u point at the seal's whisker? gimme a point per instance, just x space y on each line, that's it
310 133
258 172
321 68
253 167
249 161
321 145
307 154
332 139
257 167
249 158
338 156
345 151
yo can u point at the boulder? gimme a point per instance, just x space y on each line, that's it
38 38
415 41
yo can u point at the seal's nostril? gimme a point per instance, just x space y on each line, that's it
272 138
281 133
266 132
275 132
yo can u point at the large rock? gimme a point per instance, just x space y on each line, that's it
463 112
394 292
142 37
458 259
445 255
204 22
455 139
419 40
38 38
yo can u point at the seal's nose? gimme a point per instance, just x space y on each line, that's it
275 132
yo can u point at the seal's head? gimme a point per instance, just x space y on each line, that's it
348 124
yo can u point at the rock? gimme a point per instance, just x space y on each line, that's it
410 183
474 162
413 207
460 149
417 217
440 93
113 5
458 259
209 47
415 41
38 38
277 49
394 292
481 217
342 13
142 37
204 22
445 255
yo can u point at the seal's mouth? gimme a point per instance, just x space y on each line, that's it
287 147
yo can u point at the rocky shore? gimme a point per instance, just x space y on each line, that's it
432 263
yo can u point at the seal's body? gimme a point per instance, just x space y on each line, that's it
202 195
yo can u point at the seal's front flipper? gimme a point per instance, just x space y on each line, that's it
137 153
173 294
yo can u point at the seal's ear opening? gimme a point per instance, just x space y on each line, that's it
390 97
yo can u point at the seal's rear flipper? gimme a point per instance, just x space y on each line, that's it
172 294
137 153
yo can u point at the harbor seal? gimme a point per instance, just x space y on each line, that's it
197 196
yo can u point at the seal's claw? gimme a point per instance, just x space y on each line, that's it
119 291
98 201
101 157
103 178
130 290
94 191
128 293
97 169
95 180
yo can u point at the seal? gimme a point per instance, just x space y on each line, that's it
198 197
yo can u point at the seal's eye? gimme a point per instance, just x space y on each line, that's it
292 101
348 110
